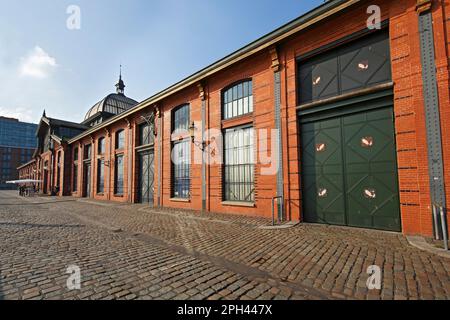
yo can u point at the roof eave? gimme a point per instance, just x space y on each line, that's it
26 164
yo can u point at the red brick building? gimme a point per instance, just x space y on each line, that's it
356 107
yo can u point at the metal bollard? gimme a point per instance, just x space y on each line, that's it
436 223
273 208
444 228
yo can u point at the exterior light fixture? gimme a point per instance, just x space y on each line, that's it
202 145
192 132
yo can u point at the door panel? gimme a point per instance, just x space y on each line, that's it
146 177
371 170
323 179
45 181
349 171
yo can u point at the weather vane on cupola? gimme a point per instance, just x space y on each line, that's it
120 86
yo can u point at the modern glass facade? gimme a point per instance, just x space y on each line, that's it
16 134
17 145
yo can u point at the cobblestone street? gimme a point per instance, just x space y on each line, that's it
134 252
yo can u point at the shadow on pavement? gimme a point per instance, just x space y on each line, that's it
31 225
34 203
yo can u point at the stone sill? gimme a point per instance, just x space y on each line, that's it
180 200
238 204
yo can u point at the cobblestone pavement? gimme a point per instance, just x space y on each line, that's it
134 252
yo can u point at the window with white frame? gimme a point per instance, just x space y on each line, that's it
181 153
238 100
239 165
120 140
118 170
100 176
101 146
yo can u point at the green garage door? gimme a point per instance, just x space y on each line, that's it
349 170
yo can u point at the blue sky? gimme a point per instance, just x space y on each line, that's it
43 64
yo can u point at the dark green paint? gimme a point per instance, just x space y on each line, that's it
346 169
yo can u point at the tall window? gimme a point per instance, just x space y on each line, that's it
239 181
75 170
118 171
101 146
146 135
101 176
75 178
87 152
120 140
181 154
58 170
238 100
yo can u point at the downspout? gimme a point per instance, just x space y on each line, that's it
62 171
52 149
130 160
110 156
159 160
92 176
432 113
203 98
276 67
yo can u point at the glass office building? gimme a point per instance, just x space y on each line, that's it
17 145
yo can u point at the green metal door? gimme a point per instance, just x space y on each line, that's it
323 176
372 193
349 171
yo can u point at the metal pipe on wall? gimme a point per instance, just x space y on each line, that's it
130 161
432 108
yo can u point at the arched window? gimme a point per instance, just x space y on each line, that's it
181 153
100 176
146 136
237 100
120 140
101 146
118 174
181 118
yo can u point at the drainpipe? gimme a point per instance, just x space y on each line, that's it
130 159
110 158
432 112
93 166
276 67
51 169
203 98
159 160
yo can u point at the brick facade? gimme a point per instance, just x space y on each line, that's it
258 66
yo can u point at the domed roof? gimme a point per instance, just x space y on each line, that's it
111 105
114 103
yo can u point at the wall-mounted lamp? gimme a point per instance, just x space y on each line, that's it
202 145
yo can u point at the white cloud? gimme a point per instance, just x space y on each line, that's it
23 114
38 64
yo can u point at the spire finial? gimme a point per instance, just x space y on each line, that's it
44 114
120 86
